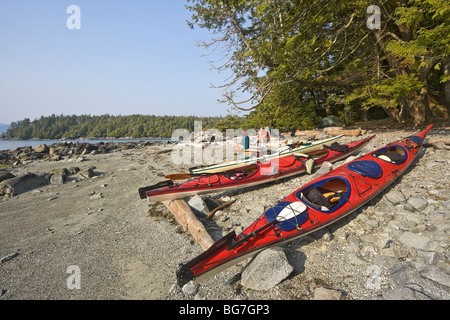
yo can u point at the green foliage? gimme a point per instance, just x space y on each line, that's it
308 57
104 126
229 122
387 93
286 108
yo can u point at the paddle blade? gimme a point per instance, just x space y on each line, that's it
178 176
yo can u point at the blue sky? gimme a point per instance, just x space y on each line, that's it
129 57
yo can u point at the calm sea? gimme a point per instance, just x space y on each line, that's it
11 144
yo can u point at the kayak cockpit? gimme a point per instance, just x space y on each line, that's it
240 173
326 195
392 154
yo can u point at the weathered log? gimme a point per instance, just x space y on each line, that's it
18 185
188 221
439 143
345 132
164 151
307 133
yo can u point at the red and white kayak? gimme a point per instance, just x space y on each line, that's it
259 173
311 207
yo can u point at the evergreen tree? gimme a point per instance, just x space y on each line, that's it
325 52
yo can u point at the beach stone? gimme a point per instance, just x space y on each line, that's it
350 159
324 168
409 207
189 289
395 197
42 148
57 178
404 275
80 159
413 240
86 173
434 273
417 203
198 204
4 175
431 258
96 196
266 270
74 170
403 294
323 293
332 121
18 185
62 171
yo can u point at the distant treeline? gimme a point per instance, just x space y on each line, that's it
105 126
141 126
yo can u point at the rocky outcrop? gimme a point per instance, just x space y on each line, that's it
60 150
18 185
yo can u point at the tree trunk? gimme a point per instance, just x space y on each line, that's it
447 86
364 114
398 115
419 107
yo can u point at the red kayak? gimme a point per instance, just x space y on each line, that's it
251 175
311 207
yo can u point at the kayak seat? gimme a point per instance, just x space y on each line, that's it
323 199
327 195
393 154
240 173
366 168
290 224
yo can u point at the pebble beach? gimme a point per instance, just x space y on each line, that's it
85 214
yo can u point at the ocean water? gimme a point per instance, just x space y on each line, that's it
12 144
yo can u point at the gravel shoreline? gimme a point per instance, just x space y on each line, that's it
125 248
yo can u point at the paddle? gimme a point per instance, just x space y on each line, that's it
289 212
183 176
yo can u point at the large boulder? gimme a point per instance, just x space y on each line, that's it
332 121
267 269
42 148
18 185
5 175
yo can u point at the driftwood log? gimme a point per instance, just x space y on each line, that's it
188 221
439 143
164 151
334 131
307 133
345 132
